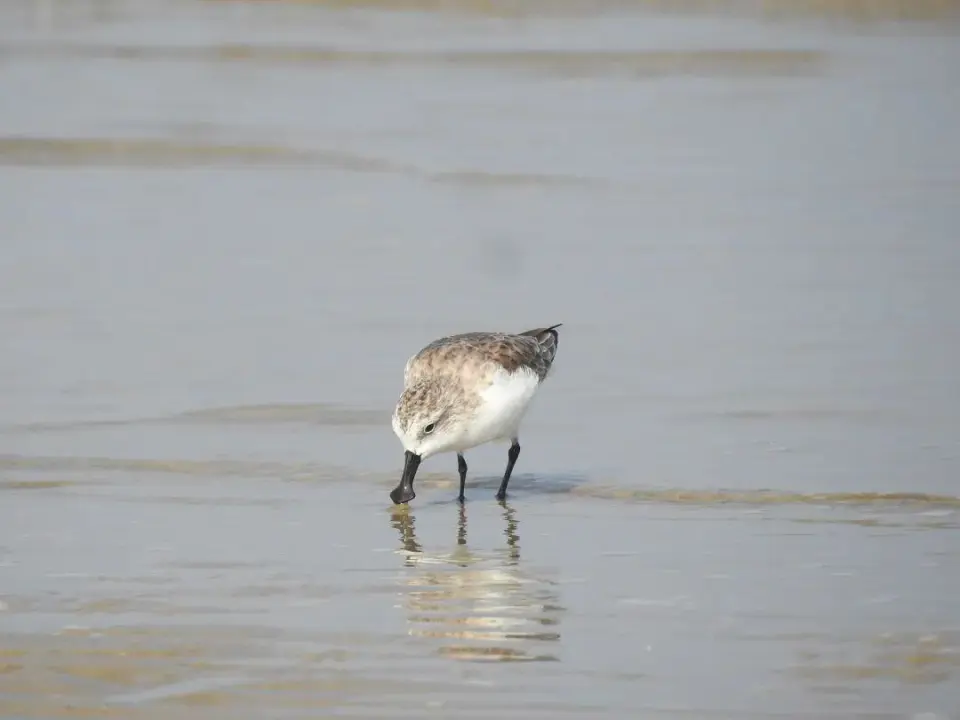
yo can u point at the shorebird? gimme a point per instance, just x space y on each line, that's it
466 390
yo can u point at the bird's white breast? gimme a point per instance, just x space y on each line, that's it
502 406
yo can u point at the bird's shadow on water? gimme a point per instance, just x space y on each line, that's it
485 487
479 604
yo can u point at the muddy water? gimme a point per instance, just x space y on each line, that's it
225 226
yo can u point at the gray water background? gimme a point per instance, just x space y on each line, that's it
225 226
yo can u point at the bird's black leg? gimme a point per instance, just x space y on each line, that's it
512 454
462 467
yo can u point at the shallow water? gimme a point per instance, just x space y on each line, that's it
225 226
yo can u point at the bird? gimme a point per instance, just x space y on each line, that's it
466 390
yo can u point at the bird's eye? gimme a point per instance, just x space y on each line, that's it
429 428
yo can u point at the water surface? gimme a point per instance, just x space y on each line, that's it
227 225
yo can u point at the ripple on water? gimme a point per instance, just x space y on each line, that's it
720 62
832 665
324 414
847 10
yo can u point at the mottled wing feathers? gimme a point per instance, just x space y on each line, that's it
534 349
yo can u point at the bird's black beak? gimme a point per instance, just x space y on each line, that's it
403 493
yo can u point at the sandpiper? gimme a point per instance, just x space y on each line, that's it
466 390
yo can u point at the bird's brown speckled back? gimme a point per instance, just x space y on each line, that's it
471 354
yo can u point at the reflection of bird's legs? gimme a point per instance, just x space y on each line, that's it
462 526
513 539
511 531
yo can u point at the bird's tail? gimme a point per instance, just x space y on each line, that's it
548 338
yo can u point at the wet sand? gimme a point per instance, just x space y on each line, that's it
227 225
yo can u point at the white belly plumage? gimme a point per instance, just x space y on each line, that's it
502 408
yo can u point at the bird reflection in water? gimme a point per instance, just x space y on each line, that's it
481 605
